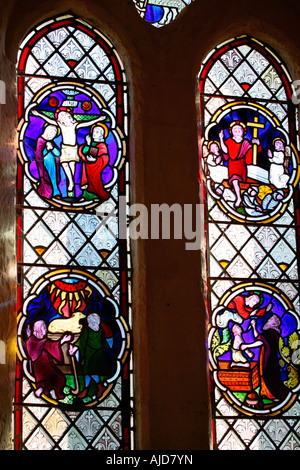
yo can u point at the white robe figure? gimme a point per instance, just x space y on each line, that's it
277 175
217 171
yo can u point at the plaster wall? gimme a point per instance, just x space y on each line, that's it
172 406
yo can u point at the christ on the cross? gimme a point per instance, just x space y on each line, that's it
68 125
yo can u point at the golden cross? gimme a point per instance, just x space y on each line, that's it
255 126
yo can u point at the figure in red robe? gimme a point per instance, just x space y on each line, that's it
238 152
43 352
248 305
95 158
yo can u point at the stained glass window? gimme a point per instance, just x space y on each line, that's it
250 175
74 386
160 12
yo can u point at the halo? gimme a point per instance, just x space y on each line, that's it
62 108
103 127
47 124
213 142
238 123
278 138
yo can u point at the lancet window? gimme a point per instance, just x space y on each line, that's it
249 167
74 385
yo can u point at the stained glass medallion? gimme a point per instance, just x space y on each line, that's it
250 164
72 338
160 12
250 175
74 386
65 113
255 349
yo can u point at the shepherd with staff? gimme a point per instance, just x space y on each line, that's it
94 350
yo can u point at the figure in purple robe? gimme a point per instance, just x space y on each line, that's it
272 386
43 353
46 156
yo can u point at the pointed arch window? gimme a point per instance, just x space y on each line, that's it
74 386
250 175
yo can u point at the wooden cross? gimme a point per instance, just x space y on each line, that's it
256 125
